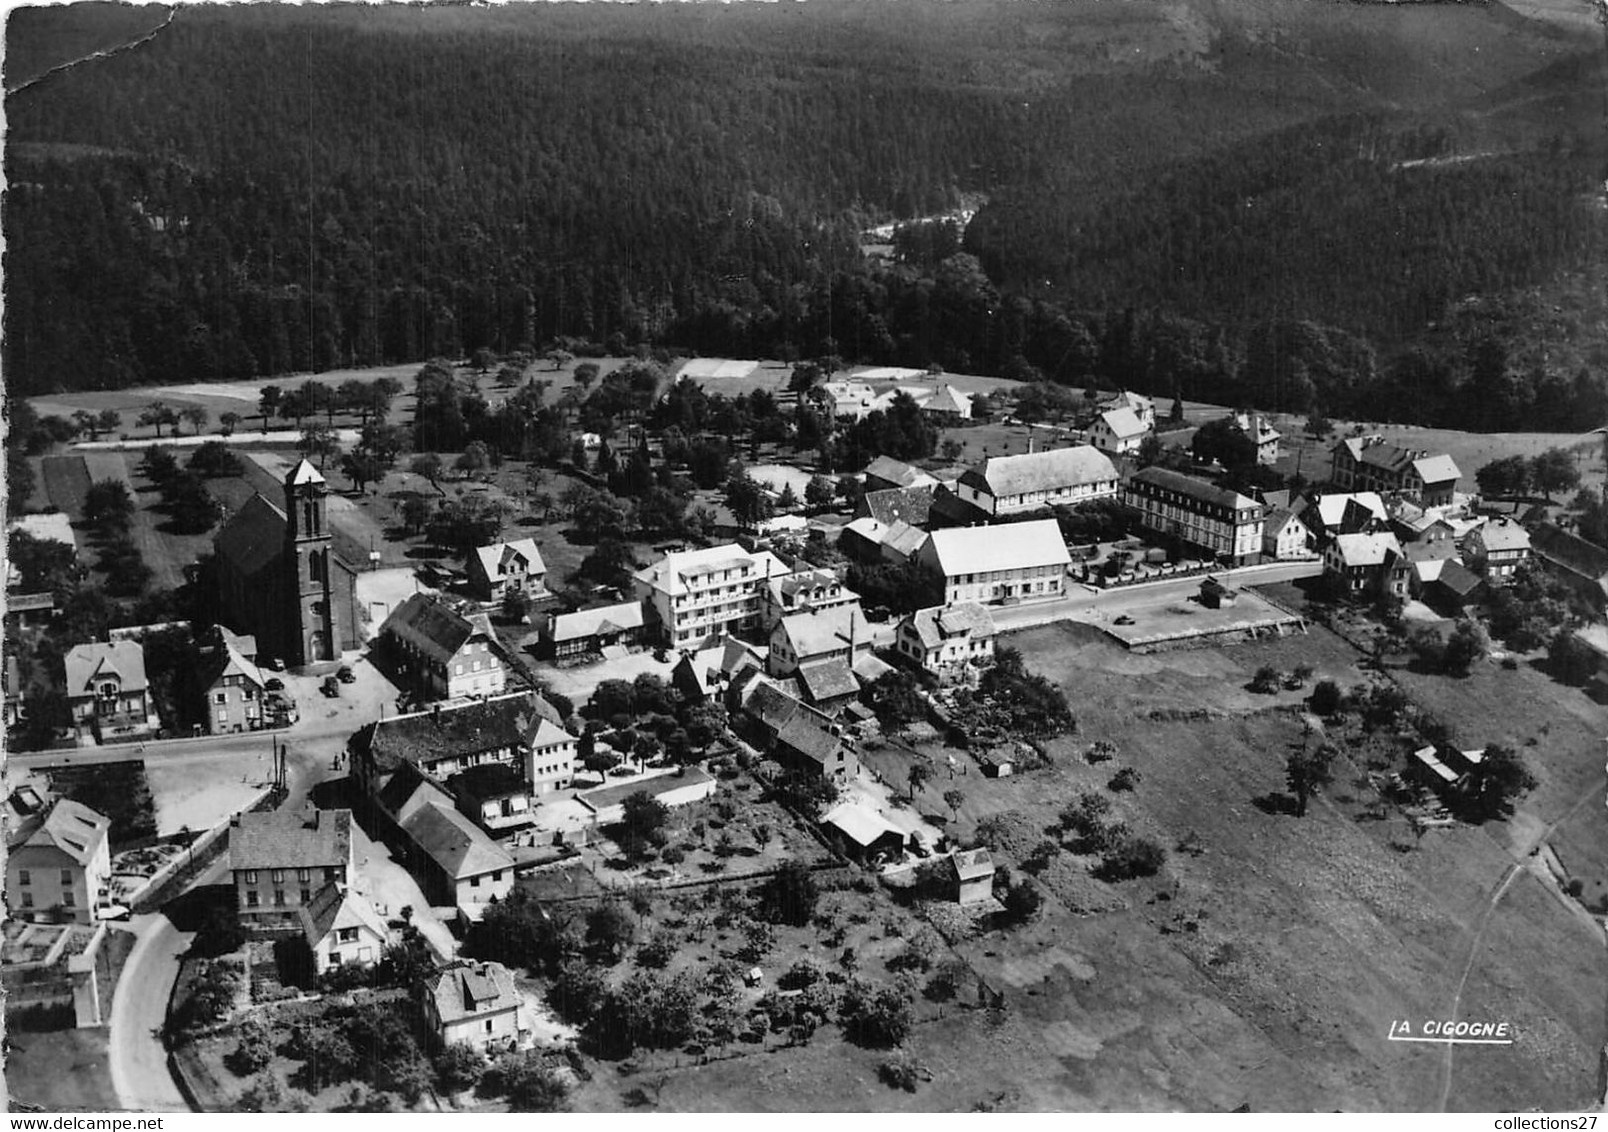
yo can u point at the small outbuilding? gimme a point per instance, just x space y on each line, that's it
973 873
1215 595
864 834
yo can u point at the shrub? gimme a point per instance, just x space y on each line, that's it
1326 698
876 1015
458 1067
1125 779
801 974
947 980
900 1072
657 951
1131 857
789 896
528 1082
254 1050
269 1094
1266 679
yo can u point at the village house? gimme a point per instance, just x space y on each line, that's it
800 738
342 929
1198 514
870 541
947 405
280 858
1012 485
498 569
58 862
862 833
992 565
1443 768
439 653
1118 431
456 863
1370 463
108 695
696 596
1371 564
1582 565
839 633
803 591
700 677
885 473
948 641
590 631
898 504
972 871
520 731
1499 548
1260 432
1343 513
283 578
1140 406
234 690
1285 536
475 1004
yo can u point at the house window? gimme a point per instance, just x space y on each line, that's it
303 875
220 697
22 876
251 900
27 900
347 935
67 898
474 882
488 1025
306 896
66 877
251 876
497 875
279 876
332 873
279 896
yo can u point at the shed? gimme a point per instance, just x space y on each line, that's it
1215 595
973 873
865 833
689 784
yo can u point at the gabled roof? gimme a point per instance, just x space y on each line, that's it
85 664
453 842
69 826
1278 520
936 623
1004 476
1459 578
549 734
443 733
972 864
808 735
253 538
1504 535
976 550
904 539
1194 488
1331 507
1123 424
1377 453
772 707
825 630
304 473
432 626
948 399
828 680
897 472
585 623
862 826
229 661
672 573
290 839
1427 756
1128 400
493 558
910 504
334 907
1436 469
467 990
1366 549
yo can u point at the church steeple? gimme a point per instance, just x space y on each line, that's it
305 489
307 552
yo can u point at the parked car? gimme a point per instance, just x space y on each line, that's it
273 664
274 684
345 675
330 687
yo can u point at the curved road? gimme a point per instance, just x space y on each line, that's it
138 1058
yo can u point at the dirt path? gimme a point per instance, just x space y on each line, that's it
1518 865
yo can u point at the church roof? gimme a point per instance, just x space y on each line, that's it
254 536
304 473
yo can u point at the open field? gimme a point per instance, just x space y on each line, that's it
60 1071
1306 936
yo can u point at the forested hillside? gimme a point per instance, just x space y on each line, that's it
1177 195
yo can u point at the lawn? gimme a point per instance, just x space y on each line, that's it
60 1071
1265 962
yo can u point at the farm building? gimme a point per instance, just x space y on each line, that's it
679 788
592 630
864 834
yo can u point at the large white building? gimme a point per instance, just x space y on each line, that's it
1011 485
696 596
990 565
1224 523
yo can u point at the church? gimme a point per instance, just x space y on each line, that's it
280 579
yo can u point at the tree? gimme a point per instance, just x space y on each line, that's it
1221 440
750 504
1554 470
787 502
610 930
644 818
875 1015
954 799
1307 771
1326 698
894 698
474 459
1573 661
428 465
319 440
1508 476
416 513
362 468
1150 451
595 512
585 374
230 421
268 403
197 415
1266 679
918 776
1497 781
1318 425
108 505
157 413
1467 644
459 1066
789 896
525 1079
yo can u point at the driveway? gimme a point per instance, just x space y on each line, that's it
135 1051
390 888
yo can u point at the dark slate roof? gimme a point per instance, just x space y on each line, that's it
1459 578
950 510
828 680
773 707
454 842
806 734
290 839
972 864
910 504
465 990
431 624
488 780
428 737
254 537
1194 488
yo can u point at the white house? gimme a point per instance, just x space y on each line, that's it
1011 485
1285 536
697 596
945 640
496 569
477 1004
1009 562
342 929
1118 431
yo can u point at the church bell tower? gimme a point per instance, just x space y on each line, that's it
307 561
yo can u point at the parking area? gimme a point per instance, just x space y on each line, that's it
1146 614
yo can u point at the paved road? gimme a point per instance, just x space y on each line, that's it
1082 601
135 1051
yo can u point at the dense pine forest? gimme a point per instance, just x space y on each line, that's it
1350 211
